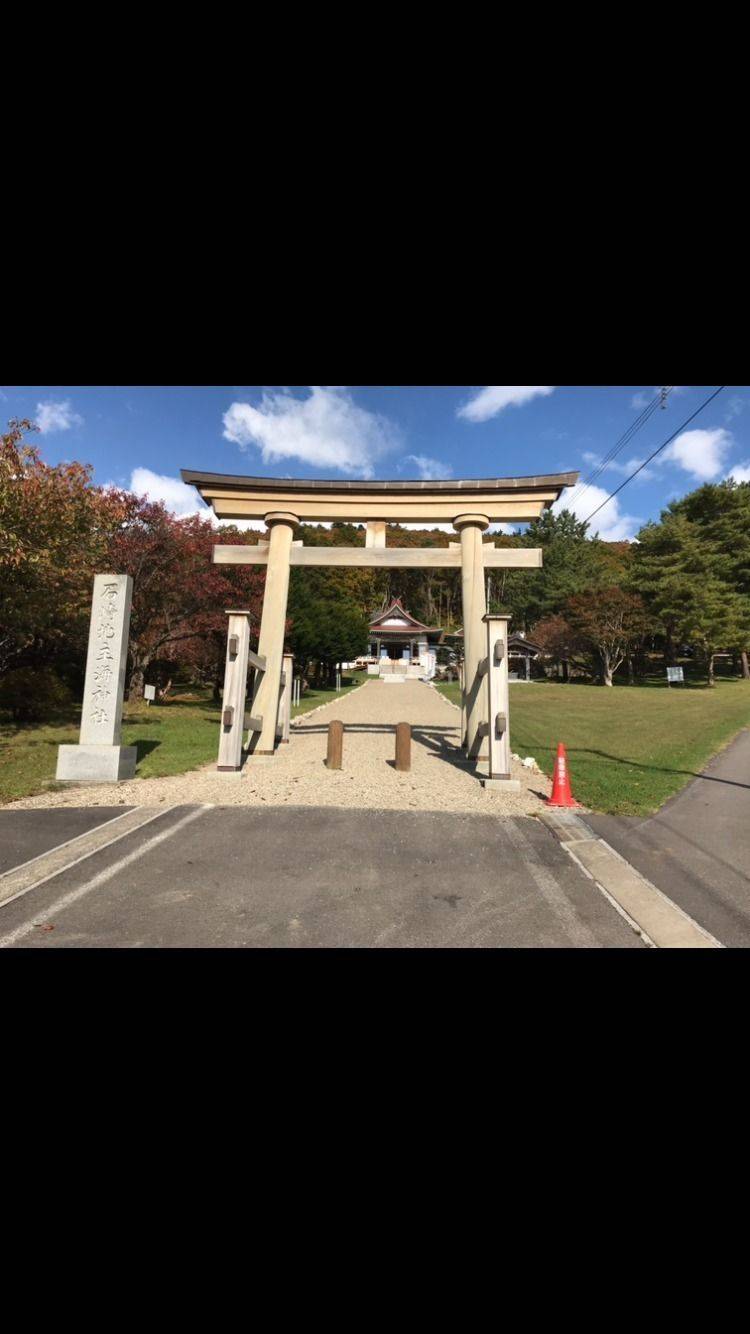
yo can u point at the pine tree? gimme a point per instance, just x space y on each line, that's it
687 580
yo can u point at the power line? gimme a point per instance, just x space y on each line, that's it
656 451
659 401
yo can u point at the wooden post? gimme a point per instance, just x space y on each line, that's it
286 697
273 620
498 706
471 527
462 683
335 754
235 687
403 747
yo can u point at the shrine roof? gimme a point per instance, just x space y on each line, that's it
396 609
521 641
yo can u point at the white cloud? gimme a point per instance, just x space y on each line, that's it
178 497
595 461
56 417
488 402
702 454
741 472
430 469
326 430
181 499
610 523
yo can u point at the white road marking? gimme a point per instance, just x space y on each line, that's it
20 879
12 937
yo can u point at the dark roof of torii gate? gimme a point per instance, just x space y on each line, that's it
431 487
499 499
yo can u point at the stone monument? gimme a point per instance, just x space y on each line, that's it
99 757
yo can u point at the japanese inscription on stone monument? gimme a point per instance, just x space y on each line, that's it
105 667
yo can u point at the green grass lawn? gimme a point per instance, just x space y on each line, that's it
628 748
173 737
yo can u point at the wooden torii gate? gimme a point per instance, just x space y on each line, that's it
470 506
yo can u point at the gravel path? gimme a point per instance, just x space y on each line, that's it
297 776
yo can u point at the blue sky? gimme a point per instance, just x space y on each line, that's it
140 437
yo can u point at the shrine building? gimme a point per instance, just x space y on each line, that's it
398 635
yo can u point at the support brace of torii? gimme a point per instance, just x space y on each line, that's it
283 503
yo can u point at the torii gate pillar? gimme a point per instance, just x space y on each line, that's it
471 527
271 640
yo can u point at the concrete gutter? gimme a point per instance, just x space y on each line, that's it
657 919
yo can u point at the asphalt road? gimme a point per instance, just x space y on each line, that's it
696 849
302 877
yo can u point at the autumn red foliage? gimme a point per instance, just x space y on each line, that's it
179 597
57 530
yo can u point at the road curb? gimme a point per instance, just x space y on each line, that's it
660 922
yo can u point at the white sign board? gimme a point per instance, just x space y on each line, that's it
675 674
149 692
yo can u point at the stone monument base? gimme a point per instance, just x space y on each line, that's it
95 764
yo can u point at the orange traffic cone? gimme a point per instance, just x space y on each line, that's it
561 793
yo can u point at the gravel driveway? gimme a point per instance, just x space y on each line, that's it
297 776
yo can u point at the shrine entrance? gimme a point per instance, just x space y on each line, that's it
472 507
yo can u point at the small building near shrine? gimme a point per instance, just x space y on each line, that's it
399 643
522 652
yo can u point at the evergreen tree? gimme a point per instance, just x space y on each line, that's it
573 563
721 513
687 579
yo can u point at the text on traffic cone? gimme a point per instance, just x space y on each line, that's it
561 793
